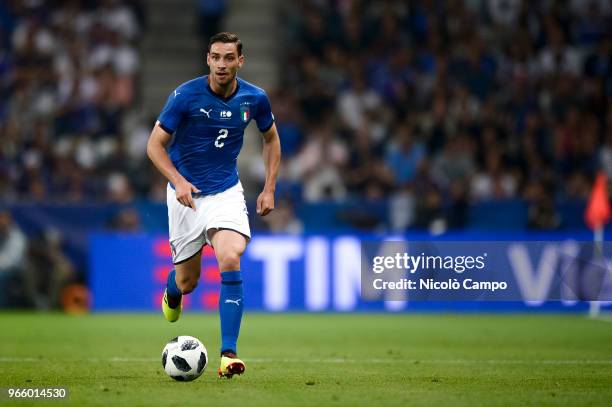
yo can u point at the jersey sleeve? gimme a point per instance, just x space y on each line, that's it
173 111
264 117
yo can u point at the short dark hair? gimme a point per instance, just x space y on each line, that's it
226 38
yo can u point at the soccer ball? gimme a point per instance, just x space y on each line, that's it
184 358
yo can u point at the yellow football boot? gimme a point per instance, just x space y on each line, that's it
231 365
171 314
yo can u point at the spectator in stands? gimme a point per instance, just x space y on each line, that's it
126 220
13 245
605 155
288 121
454 163
49 270
366 174
210 18
357 101
404 154
492 182
283 219
319 164
542 214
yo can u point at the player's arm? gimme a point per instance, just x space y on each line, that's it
156 150
271 157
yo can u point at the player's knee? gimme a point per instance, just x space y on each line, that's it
229 260
187 285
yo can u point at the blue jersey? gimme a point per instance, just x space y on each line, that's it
208 130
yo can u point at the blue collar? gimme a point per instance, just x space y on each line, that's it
225 99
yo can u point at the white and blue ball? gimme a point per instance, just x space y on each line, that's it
184 358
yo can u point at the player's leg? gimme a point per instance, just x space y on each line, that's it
186 230
182 280
229 246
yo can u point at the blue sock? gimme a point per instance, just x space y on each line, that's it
230 309
174 294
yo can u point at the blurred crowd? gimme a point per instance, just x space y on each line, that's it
428 105
68 84
68 80
437 105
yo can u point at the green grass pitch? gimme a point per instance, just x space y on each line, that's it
317 360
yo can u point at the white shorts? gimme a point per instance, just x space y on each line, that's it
189 228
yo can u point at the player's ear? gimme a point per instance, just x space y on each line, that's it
240 61
208 58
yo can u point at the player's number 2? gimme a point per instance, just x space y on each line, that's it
222 135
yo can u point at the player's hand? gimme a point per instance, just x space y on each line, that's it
265 203
183 194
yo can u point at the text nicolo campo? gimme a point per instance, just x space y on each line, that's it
412 264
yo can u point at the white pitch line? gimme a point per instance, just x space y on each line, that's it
437 361
602 319
17 360
351 361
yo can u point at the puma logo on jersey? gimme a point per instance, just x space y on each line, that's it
237 302
206 112
176 93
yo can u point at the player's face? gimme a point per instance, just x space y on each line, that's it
224 62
